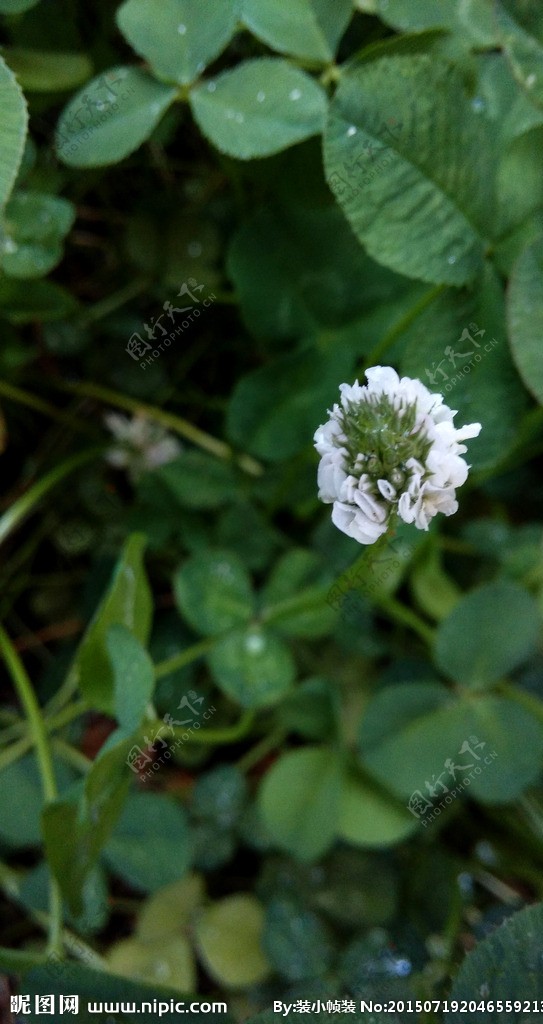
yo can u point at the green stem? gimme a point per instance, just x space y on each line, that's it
112 302
402 324
525 699
22 746
28 699
10 884
168 419
23 397
261 749
230 734
27 502
397 611
184 657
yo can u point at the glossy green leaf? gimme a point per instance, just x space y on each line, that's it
175 39
411 164
111 116
299 801
260 107
252 666
46 70
228 940
297 941
127 602
309 29
77 825
213 592
369 818
22 302
507 961
133 675
433 751
436 593
276 408
150 846
13 126
525 315
31 233
521 35
458 346
298 270
471 18
198 480
170 962
490 632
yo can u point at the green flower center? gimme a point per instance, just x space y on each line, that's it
381 438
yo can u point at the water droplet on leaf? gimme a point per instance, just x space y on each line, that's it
261 96
351 131
294 94
181 29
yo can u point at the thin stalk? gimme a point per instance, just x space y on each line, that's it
399 613
525 699
185 657
28 699
168 419
230 734
28 501
113 302
402 324
22 746
40 405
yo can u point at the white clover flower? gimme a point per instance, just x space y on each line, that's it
390 448
141 445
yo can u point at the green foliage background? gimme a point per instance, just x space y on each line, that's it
331 186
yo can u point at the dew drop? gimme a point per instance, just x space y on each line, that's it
239 118
351 131
230 114
530 81
211 86
254 644
261 96
194 249
200 66
9 245
181 29
294 94
478 104
451 259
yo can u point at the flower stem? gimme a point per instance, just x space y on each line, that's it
27 502
24 397
402 324
525 699
28 699
185 657
397 611
230 734
168 419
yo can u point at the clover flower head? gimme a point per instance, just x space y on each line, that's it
390 448
140 445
